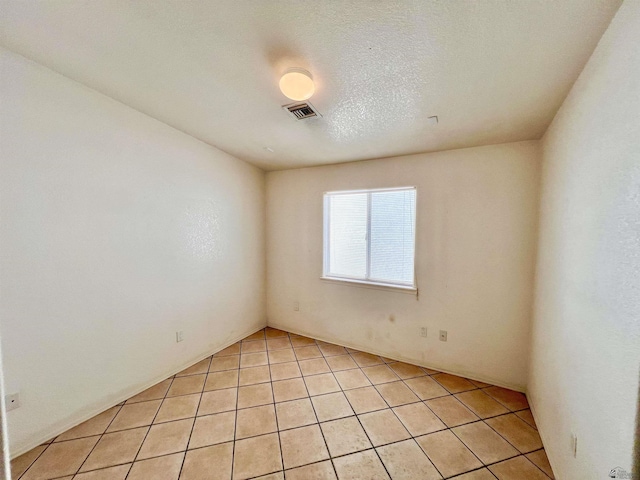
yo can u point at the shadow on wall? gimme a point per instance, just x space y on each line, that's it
636 443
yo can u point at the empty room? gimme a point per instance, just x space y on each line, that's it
341 239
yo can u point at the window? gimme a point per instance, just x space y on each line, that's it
369 236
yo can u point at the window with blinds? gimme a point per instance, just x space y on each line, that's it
369 236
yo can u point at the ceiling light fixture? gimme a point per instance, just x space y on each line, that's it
297 84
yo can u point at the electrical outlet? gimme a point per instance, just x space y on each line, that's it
423 332
179 336
296 306
12 401
443 335
574 444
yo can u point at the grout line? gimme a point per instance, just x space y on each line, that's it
193 424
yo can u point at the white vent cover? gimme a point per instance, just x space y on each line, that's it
302 110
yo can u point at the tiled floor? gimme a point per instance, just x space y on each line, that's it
279 405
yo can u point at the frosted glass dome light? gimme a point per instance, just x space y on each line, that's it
297 84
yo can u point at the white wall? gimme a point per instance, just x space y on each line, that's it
476 230
117 230
586 334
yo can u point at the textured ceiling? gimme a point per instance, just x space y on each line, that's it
494 71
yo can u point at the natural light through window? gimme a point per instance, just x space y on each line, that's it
369 236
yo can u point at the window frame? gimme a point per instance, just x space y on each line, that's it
366 281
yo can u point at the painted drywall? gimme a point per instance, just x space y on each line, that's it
476 230
117 231
586 332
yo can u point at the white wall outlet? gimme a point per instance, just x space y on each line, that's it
423 331
296 306
443 335
12 401
179 336
574 444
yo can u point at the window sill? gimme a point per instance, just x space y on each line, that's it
373 285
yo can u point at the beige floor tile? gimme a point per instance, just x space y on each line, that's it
186 385
406 370
256 421
197 368
509 398
220 364
292 389
341 362
285 355
166 438
517 469
211 463
213 429
426 388
383 427
418 419
453 383
94 426
451 411
406 461
313 366
331 406
253 375
20 464
256 456
482 474
284 371
366 359
218 401
254 346
59 459
255 395
305 353
540 459
112 473
157 392
320 384
380 374
115 448
271 476
360 466
345 436
278 343
296 413
230 350
135 415
259 335
253 359
485 443
396 393
527 416
176 408
365 399
300 341
220 380
448 453
330 350
430 371
349 379
160 468
481 404
301 446
317 471
274 333
517 432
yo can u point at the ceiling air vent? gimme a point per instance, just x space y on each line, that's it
302 111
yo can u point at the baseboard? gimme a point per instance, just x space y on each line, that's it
413 361
121 398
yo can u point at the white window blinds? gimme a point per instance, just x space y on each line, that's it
370 235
